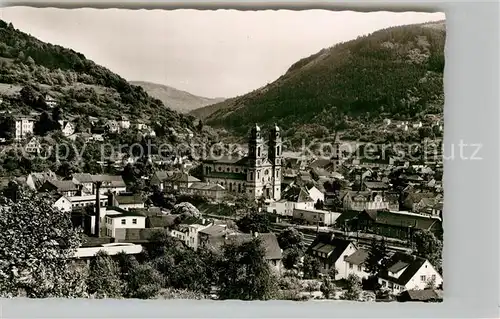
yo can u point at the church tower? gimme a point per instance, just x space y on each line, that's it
256 159
276 158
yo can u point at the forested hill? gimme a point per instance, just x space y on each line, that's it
395 72
81 86
178 100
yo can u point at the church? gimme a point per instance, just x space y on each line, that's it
257 175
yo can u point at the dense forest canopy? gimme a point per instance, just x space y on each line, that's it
395 72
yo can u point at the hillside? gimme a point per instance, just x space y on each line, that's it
395 72
81 87
177 100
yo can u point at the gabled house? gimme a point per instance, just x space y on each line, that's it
36 180
159 178
63 203
66 188
212 191
109 184
118 220
124 122
33 146
407 272
332 253
67 128
316 194
179 181
85 180
355 263
272 251
295 197
126 201
188 230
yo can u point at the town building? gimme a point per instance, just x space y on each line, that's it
315 216
332 252
120 219
408 272
258 175
356 264
50 101
24 127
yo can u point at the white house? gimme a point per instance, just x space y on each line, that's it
407 272
124 123
113 126
67 128
24 127
292 198
188 233
126 201
332 252
315 216
316 194
122 219
355 264
87 200
63 203
33 146
50 101
360 201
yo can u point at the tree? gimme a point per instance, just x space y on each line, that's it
44 125
312 286
254 222
428 246
311 267
28 95
186 210
291 238
327 287
144 281
319 204
104 280
37 243
376 256
291 257
353 288
245 273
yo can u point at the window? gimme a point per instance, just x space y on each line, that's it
360 268
433 277
228 169
422 278
350 266
124 221
384 283
134 221
236 170
258 151
278 151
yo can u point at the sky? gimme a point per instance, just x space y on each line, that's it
221 53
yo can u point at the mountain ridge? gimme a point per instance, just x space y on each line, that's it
394 72
178 100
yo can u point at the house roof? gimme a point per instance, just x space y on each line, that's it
214 230
83 177
325 243
397 262
123 212
63 186
129 199
182 177
297 194
376 185
227 159
163 175
402 220
269 242
109 180
207 186
163 221
424 295
320 163
358 258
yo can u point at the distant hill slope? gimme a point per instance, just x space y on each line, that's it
395 72
180 101
81 87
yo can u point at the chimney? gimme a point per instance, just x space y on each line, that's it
332 236
111 199
97 209
256 234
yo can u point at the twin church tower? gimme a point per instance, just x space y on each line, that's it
258 175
